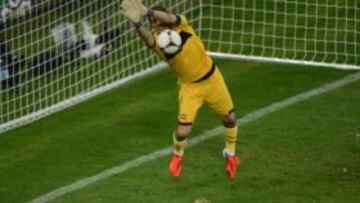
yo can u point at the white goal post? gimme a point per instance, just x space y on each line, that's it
57 53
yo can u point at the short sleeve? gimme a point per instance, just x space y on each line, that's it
181 20
183 24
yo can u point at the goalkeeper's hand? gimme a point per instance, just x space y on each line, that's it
133 10
140 6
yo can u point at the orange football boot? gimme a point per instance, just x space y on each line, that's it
231 164
175 165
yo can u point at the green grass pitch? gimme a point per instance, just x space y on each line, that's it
308 152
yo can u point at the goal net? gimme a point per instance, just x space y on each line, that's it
57 53
308 32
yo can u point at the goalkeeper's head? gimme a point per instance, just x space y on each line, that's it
157 24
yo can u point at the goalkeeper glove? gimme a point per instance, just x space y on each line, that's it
133 10
140 6
130 10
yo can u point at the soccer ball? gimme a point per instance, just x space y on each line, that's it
169 42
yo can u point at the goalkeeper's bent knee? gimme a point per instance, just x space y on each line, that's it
183 131
229 121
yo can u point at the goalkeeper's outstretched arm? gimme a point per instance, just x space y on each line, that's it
134 10
164 17
159 17
146 35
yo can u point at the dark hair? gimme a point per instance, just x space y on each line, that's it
159 7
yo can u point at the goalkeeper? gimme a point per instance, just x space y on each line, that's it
199 79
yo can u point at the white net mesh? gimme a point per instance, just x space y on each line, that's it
61 52
318 32
56 53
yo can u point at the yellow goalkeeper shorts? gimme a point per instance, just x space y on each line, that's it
212 91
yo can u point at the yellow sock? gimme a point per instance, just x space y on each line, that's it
230 139
179 146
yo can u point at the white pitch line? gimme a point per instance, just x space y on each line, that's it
192 142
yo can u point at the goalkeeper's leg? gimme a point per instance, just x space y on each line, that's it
179 140
230 132
189 103
219 99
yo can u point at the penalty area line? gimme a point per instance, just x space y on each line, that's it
194 141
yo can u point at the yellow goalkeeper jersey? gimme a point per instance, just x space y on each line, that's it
191 63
